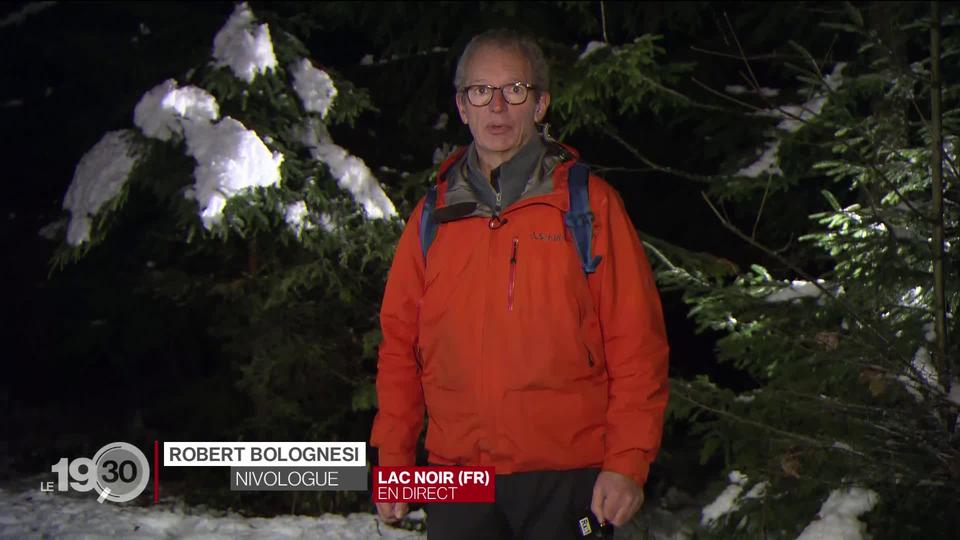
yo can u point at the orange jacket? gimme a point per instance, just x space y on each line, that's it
522 361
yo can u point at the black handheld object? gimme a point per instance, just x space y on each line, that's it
588 527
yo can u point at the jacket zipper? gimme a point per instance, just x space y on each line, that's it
513 274
495 183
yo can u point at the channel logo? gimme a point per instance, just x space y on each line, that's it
118 472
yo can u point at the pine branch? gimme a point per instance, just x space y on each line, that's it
601 169
783 260
768 56
673 268
763 201
919 214
725 96
676 391
610 132
878 213
736 40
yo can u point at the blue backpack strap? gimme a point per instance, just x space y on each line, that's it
428 225
579 218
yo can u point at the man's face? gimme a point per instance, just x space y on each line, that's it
500 129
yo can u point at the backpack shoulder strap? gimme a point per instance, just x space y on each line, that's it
428 225
579 218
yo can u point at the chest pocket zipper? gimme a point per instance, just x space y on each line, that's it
513 274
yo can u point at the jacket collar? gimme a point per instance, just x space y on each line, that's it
511 179
547 184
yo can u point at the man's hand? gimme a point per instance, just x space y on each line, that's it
392 512
616 498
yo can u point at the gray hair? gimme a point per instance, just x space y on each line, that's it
505 39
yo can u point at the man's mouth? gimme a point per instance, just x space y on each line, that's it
498 129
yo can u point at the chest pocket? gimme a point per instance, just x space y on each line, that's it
553 328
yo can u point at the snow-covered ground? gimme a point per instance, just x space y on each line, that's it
27 513
33 514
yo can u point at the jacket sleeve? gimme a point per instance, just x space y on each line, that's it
399 419
634 339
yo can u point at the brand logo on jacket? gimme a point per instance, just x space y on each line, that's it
547 236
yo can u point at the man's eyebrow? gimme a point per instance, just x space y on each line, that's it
484 82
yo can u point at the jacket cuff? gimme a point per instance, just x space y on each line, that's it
389 458
632 463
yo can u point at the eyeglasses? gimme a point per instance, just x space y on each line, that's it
480 94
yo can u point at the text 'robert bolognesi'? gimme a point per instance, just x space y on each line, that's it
278 466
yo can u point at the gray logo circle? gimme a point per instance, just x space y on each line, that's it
122 472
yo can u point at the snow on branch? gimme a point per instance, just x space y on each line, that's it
230 160
793 117
353 175
763 91
766 163
162 111
296 215
314 86
244 47
798 288
299 218
729 499
591 48
838 517
99 177
921 376
351 172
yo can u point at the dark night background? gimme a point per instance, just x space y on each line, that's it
90 357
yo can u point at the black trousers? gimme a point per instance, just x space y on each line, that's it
529 506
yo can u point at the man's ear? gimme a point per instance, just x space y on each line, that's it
543 102
461 107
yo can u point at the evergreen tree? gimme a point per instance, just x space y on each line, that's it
232 205
854 402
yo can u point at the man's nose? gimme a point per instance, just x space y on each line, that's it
498 103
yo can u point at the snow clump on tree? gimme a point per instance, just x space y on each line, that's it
98 178
243 47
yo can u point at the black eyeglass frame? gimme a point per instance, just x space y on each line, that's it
466 92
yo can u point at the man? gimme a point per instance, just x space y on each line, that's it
555 377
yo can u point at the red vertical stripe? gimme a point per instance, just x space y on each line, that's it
156 472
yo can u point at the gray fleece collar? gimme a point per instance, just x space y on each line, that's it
512 175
